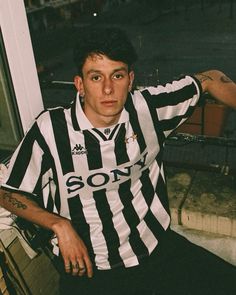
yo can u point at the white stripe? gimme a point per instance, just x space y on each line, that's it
50 187
169 112
53 194
141 208
157 208
154 173
11 164
139 202
107 152
96 234
33 170
46 188
128 256
160 213
132 147
45 126
173 86
146 124
147 236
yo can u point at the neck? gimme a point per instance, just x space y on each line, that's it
101 122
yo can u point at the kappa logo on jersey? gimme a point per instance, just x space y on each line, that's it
78 149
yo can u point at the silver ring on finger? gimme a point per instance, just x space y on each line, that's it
82 269
75 266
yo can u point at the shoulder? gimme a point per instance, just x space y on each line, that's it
50 114
184 85
44 122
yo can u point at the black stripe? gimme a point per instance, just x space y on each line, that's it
159 157
53 200
80 224
135 123
48 163
161 188
100 134
47 158
155 119
92 145
172 123
199 86
109 232
57 199
73 116
120 146
113 132
62 140
171 98
161 192
148 193
50 203
39 115
23 157
132 219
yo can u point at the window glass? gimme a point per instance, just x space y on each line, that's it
172 38
10 126
20 95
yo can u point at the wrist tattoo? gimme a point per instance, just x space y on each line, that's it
225 79
202 78
16 203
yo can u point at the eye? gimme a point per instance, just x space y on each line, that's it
118 76
96 78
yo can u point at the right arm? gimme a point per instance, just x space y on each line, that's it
72 248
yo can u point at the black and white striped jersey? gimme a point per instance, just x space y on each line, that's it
109 181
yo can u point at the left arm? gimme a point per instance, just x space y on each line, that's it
219 86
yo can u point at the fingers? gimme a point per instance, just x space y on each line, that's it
67 266
73 251
78 268
89 267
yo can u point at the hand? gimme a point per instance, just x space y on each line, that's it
73 250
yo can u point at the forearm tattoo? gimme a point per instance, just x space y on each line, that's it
202 78
225 79
14 202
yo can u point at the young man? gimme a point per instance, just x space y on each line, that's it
93 174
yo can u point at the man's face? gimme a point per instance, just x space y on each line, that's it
104 86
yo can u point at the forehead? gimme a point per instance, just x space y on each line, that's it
102 63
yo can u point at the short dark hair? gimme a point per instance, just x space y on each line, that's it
112 42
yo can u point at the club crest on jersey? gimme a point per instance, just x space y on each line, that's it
133 137
78 149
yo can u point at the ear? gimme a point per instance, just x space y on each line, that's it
78 81
131 80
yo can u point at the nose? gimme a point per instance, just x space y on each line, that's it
108 86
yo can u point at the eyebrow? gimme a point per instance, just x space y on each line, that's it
91 71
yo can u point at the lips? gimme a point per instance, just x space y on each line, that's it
108 102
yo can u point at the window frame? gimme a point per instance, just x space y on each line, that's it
21 61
